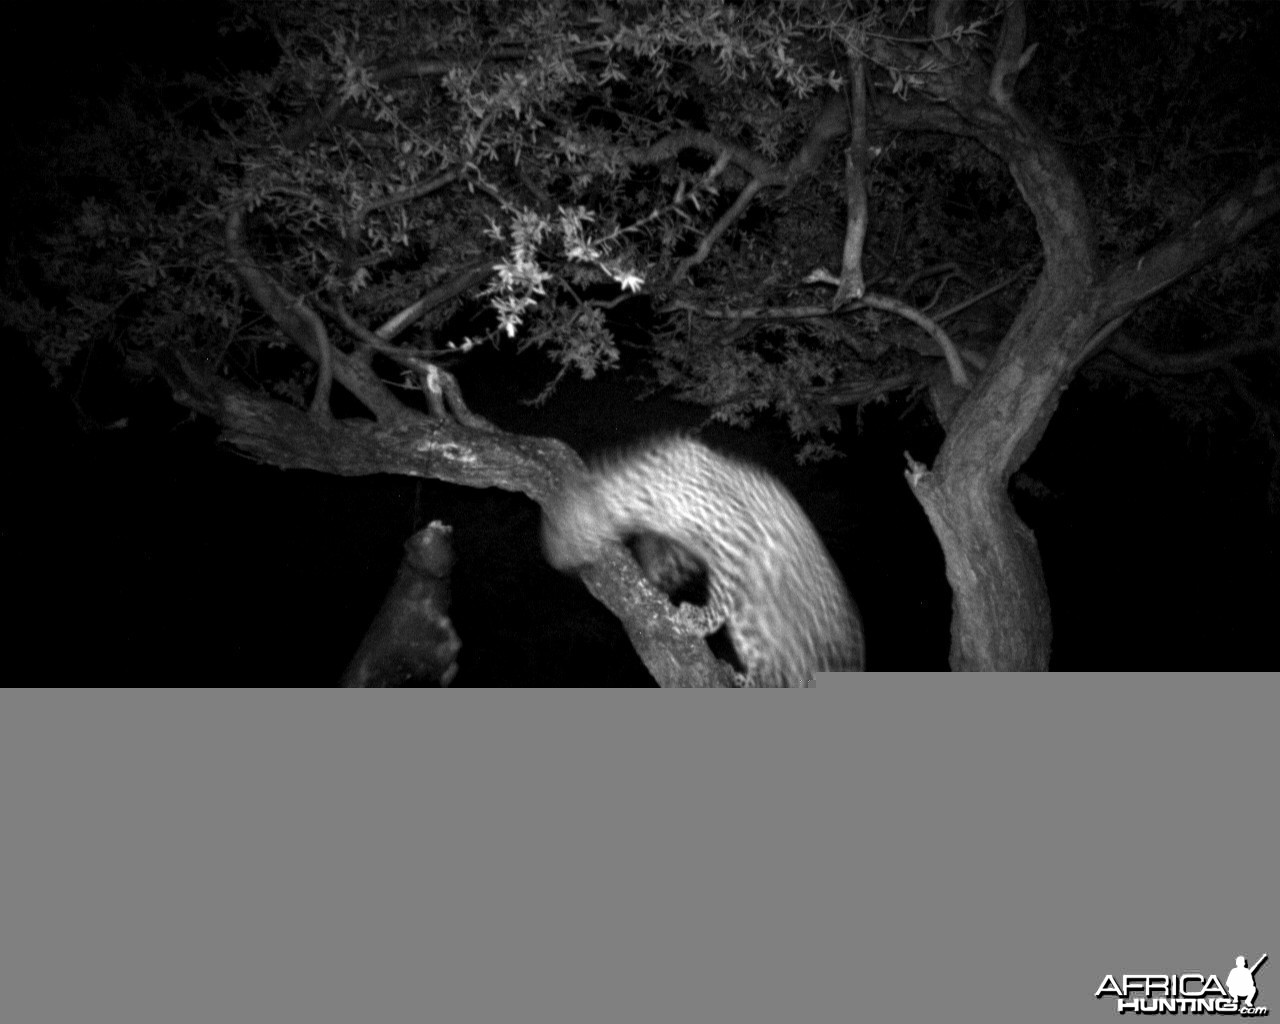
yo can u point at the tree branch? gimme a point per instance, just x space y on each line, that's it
1177 364
299 323
717 230
464 280
958 375
852 284
832 122
1229 219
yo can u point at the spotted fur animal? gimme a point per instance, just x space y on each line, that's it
770 581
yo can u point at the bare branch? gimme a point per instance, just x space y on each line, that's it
750 312
324 379
672 145
1229 219
408 195
852 284
1010 57
469 277
907 312
1000 285
717 230
1184 363
832 122
439 386
299 322
958 375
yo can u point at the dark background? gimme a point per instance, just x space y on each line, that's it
148 554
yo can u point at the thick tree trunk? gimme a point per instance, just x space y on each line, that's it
1000 608
1001 619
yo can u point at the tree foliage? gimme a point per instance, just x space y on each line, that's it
373 190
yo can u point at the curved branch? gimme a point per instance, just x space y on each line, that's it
439 387
299 322
444 396
956 365
1011 58
672 145
889 305
1177 364
832 122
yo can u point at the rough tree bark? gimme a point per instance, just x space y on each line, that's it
1001 619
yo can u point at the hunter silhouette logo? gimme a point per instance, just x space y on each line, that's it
1188 993
1240 982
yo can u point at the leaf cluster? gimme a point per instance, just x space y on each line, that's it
385 146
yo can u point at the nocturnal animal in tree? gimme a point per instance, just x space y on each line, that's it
687 509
